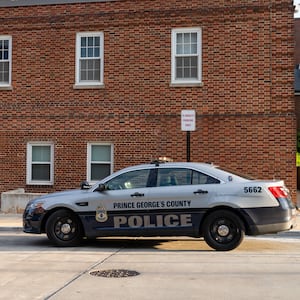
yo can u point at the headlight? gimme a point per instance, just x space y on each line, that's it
36 207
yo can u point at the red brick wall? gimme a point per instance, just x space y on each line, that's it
245 108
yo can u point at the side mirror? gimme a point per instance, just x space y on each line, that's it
84 185
101 187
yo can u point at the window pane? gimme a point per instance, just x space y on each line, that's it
187 38
90 41
179 49
83 76
90 75
194 61
194 73
194 38
90 64
97 41
130 180
179 37
186 73
97 52
4 72
101 153
41 153
41 172
194 49
187 49
83 42
90 52
179 73
99 171
83 52
200 178
169 177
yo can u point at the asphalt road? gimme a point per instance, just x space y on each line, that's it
261 268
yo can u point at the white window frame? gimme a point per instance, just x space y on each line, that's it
9 60
89 159
93 83
29 179
174 55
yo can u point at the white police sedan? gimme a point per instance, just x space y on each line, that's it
165 199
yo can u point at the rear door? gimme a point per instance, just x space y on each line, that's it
183 195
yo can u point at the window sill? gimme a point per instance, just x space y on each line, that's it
77 86
186 84
42 183
6 88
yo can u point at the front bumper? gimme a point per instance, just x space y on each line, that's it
33 220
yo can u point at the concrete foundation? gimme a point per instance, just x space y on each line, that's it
15 201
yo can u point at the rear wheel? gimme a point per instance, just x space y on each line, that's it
223 230
63 228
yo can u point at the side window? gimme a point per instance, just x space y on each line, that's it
182 176
186 56
40 163
173 176
100 161
200 178
89 59
130 180
5 60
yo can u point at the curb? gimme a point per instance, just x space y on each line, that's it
10 229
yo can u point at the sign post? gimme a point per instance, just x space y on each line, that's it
188 124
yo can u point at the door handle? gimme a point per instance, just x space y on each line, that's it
200 192
137 195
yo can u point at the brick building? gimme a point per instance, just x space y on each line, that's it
88 87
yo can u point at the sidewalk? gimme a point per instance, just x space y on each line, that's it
10 222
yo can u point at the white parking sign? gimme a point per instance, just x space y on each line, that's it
188 120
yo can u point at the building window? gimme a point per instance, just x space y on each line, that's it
100 161
5 61
40 163
89 59
186 56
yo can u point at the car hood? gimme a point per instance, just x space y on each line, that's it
70 194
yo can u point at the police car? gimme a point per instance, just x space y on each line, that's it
165 199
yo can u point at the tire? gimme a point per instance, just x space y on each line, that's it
223 230
64 229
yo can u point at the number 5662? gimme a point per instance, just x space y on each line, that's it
252 189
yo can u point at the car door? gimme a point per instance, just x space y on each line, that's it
183 194
120 199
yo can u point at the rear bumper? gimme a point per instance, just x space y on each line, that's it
271 221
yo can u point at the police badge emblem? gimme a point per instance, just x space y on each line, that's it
101 214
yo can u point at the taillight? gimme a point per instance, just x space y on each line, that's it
278 192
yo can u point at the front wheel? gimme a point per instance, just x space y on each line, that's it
223 230
63 228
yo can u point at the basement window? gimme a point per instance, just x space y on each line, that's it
40 167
